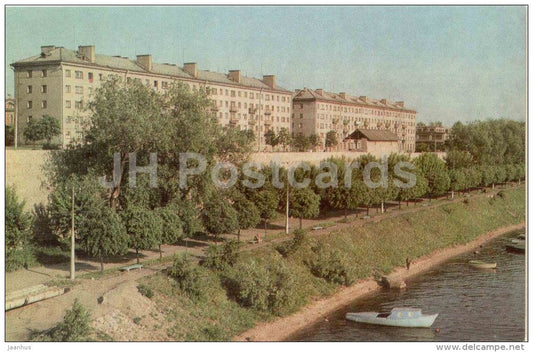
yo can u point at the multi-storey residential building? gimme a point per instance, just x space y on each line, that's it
434 135
59 82
318 112
10 111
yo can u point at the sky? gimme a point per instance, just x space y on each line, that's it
448 63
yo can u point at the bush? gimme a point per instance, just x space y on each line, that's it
220 257
145 291
19 258
74 327
268 287
287 248
51 146
191 279
331 265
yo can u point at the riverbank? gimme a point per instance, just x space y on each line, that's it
282 328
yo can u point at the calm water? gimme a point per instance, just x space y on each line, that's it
473 305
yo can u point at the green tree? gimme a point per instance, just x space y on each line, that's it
32 131
144 227
283 137
266 199
271 139
457 180
18 231
219 216
10 135
75 325
458 159
102 233
434 171
301 143
304 203
46 128
247 212
421 148
314 141
331 139
172 230
129 117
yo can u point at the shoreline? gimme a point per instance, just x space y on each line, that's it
282 328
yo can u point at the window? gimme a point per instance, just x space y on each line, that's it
68 104
29 74
79 90
79 105
44 104
44 73
301 116
29 89
155 84
29 104
78 74
239 93
67 88
164 85
90 77
67 73
44 88
101 76
30 118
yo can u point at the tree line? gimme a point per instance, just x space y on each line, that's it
128 117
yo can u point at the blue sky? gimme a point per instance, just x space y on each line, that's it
448 63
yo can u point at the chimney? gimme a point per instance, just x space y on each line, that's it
320 91
383 101
343 95
47 49
270 81
191 68
363 98
145 61
400 104
235 75
87 51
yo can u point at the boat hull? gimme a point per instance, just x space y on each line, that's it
516 248
424 321
482 265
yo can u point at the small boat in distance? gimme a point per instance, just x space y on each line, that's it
519 247
401 317
478 264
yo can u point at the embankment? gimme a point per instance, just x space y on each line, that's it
309 287
282 328
430 236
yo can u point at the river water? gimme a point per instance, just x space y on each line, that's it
473 304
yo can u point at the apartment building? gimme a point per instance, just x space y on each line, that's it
60 82
434 136
318 112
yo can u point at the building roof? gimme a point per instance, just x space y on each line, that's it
373 135
321 95
60 54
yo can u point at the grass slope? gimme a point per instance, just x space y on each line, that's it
313 268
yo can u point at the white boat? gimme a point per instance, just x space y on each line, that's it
402 317
478 264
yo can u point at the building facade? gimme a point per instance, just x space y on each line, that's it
434 136
60 82
318 112
10 111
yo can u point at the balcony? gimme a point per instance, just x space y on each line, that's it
252 111
233 109
252 121
268 112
